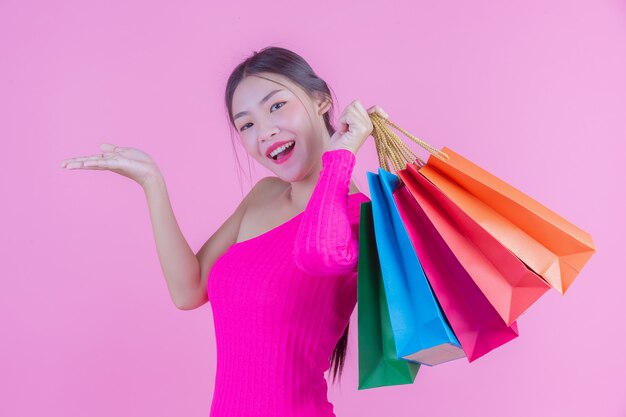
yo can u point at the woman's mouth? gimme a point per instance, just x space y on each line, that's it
284 154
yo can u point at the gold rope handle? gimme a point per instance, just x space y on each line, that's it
390 147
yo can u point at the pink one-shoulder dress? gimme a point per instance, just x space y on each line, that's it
282 300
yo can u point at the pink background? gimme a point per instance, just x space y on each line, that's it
533 91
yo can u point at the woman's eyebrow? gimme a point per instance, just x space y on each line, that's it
263 100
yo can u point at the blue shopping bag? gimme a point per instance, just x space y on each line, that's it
421 332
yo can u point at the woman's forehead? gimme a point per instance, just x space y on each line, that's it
253 88
256 86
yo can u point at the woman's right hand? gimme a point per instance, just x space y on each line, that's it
129 162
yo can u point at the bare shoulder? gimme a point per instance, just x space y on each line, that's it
262 194
227 234
271 184
265 192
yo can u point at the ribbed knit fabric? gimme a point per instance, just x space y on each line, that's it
282 300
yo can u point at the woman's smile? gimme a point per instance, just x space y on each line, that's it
284 155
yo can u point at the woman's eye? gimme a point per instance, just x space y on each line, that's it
280 102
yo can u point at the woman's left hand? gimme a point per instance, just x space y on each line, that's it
354 127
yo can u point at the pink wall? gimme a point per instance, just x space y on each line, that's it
533 91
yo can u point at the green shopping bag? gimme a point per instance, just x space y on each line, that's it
378 363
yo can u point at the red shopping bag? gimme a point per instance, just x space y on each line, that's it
475 322
506 282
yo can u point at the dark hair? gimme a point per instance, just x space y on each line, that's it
287 63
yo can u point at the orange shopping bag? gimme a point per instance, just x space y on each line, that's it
548 244
508 284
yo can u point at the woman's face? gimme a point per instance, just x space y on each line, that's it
266 113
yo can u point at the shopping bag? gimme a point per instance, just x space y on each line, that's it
551 246
475 322
378 362
421 332
505 280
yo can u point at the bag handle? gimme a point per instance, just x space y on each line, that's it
390 147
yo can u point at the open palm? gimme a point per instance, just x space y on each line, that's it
129 162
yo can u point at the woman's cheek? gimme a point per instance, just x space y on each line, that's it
250 147
293 117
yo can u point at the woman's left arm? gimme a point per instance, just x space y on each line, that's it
325 243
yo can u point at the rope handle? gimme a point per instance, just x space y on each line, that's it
390 147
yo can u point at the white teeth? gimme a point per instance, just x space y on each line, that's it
280 149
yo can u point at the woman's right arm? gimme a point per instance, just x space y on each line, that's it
185 272
178 262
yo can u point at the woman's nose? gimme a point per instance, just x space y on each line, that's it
267 133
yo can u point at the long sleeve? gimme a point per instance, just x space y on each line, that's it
325 243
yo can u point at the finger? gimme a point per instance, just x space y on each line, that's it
357 109
108 147
382 112
343 122
360 106
379 110
101 163
356 112
79 162
86 158
374 109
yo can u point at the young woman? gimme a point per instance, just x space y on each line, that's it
280 273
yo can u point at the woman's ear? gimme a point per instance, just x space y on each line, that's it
324 105
323 102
